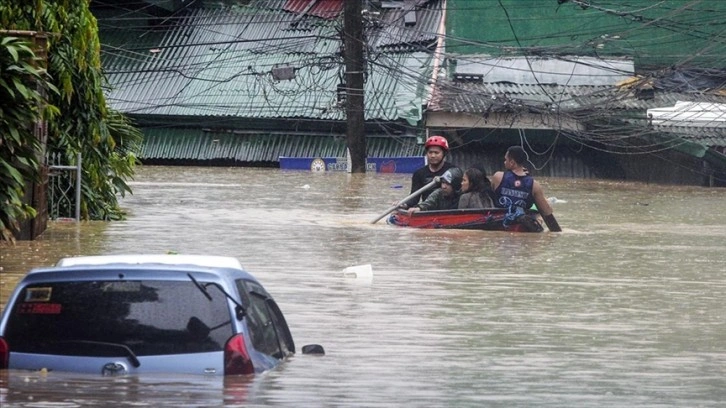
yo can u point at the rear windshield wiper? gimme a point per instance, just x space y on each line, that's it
130 355
239 309
199 286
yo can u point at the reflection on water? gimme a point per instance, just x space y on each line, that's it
72 390
624 308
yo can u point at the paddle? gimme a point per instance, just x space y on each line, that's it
414 194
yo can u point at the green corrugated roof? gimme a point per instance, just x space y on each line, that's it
219 62
200 145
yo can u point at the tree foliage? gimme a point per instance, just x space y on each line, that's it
21 105
106 140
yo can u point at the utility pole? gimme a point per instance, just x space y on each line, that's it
354 81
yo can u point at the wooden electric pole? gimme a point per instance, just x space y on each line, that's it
354 82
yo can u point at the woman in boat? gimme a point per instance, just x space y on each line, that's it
476 189
445 197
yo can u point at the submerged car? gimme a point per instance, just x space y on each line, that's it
136 314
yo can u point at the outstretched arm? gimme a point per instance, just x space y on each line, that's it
429 203
544 208
416 184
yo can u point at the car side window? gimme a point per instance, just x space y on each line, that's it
283 331
268 329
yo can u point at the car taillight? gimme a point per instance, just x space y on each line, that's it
4 353
236 358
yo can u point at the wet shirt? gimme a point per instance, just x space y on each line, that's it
438 201
475 199
515 191
424 176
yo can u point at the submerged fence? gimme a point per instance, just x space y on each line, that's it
64 188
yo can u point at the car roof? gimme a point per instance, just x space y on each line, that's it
223 267
209 261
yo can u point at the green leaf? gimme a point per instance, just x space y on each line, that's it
15 135
21 88
13 173
13 53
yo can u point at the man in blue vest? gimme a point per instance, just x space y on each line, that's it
517 190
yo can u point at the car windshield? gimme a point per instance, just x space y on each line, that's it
112 318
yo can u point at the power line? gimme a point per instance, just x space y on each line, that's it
229 70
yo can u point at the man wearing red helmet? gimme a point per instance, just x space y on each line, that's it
436 148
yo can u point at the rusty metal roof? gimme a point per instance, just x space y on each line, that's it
392 33
470 97
320 8
220 62
582 102
702 135
385 27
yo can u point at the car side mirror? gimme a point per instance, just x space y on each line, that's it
315 349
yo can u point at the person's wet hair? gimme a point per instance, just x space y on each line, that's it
477 180
483 170
518 154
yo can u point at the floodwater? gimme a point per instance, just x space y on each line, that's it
625 308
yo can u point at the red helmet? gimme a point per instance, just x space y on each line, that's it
439 141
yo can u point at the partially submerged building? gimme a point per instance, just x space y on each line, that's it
573 82
243 83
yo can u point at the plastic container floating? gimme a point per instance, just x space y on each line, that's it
363 272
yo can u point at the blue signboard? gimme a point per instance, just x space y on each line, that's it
373 164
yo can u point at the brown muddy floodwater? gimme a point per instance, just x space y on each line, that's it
625 308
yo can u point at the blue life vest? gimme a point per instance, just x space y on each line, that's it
515 191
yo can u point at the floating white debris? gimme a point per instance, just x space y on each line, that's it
306 186
360 272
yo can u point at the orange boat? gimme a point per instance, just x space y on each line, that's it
488 219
